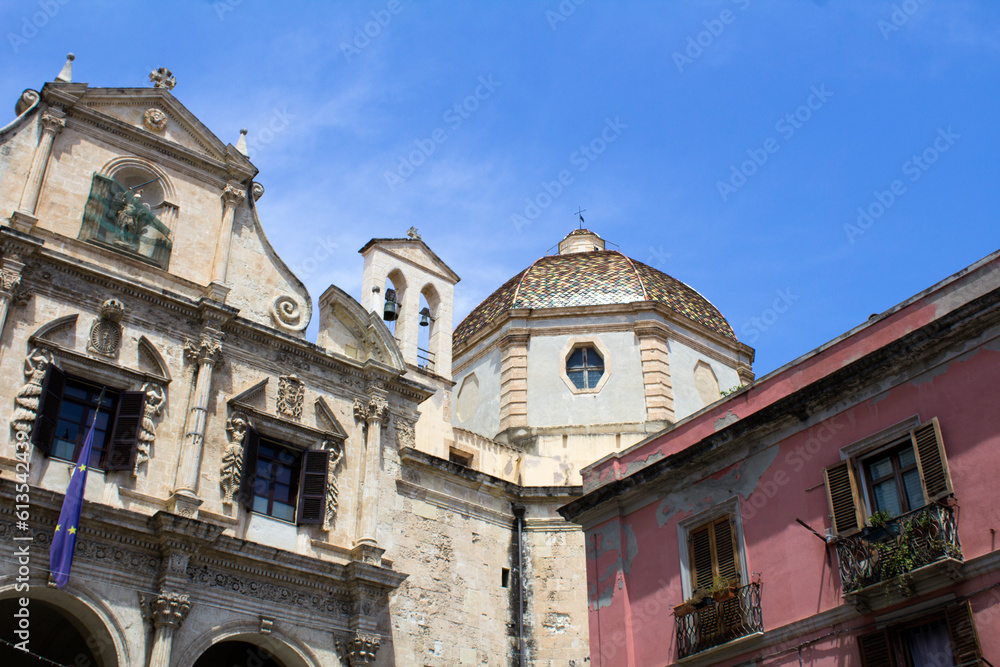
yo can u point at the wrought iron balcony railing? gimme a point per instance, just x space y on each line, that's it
902 545
715 623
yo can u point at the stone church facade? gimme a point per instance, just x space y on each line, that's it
382 496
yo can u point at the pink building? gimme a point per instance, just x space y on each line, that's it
842 510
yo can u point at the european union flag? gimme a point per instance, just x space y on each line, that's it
64 538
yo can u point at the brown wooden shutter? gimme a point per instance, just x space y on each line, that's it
249 473
875 650
725 550
931 461
312 486
49 405
964 641
842 492
128 425
701 558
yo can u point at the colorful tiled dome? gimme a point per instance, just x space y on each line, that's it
595 278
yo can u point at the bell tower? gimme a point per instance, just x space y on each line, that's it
409 286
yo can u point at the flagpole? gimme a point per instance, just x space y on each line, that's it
64 537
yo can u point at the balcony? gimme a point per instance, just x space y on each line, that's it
713 623
911 554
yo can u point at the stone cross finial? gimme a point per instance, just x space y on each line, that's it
413 234
163 78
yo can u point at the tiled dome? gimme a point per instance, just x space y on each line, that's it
595 278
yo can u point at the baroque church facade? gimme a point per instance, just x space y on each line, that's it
385 495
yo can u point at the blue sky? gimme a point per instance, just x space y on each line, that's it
728 143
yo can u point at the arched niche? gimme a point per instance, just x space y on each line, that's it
287 651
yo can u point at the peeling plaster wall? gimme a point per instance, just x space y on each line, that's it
783 482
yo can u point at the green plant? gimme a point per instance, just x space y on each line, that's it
731 390
880 519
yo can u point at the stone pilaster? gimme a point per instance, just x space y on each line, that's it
232 196
207 354
514 379
374 413
24 219
657 385
166 612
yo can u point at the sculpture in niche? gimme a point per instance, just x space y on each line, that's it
106 332
36 364
154 404
332 491
123 217
231 473
291 392
154 119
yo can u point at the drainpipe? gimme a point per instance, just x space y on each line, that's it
519 519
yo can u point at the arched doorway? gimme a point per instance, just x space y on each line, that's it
55 636
237 653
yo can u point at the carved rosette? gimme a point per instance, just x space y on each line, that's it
166 609
26 402
106 332
291 392
359 649
154 119
231 472
155 398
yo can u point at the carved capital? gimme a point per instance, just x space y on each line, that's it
53 122
358 649
9 280
168 609
206 351
375 409
233 195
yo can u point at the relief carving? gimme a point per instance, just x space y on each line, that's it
154 405
291 392
28 396
154 119
106 332
287 313
332 490
405 436
231 473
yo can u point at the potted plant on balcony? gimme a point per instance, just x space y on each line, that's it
880 527
700 598
724 589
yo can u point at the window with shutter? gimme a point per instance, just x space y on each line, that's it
964 640
713 553
931 461
312 486
248 480
73 409
842 493
128 425
44 430
876 650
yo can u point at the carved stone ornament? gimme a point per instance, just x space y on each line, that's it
165 609
154 119
206 351
405 436
28 396
147 436
163 78
374 409
106 332
257 190
359 649
291 393
25 101
231 472
287 313
332 490
53 123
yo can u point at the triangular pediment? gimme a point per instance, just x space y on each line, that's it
413 250
177 125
